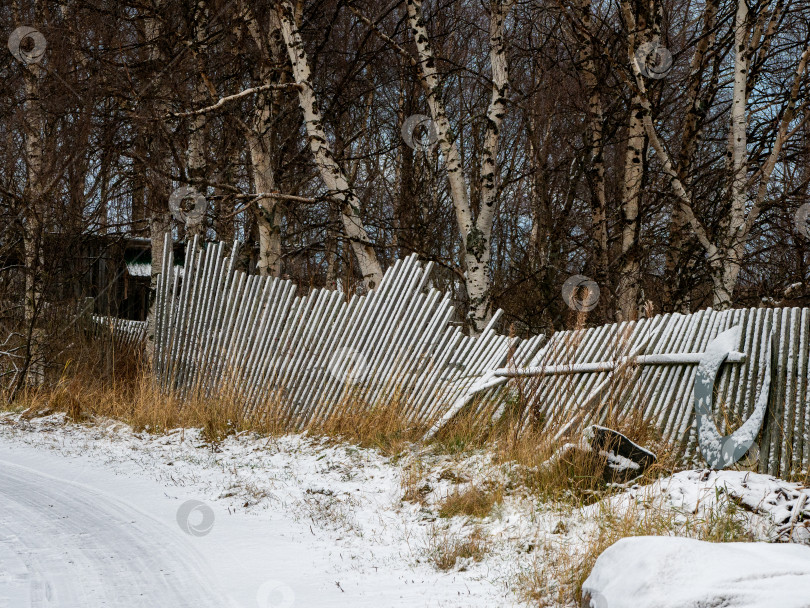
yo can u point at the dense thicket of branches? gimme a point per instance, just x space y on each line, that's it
546 149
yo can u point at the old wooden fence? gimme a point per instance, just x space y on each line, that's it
218 327
647 368
253 335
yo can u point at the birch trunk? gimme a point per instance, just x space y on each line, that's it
260 137
159 223
33 215
269 263
629 282
478 246
476 232
195 157
724 265
330 171
725 252
629 268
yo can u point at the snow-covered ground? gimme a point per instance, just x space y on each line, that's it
294 523
96 515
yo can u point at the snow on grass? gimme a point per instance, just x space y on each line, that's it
340 525
766 503
350 540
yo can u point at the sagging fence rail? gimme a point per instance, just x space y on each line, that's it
219 326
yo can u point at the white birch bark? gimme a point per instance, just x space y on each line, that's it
724 266
725 251
330 171
269 263
195 154
476 232
629 268
159 223
33 213
259 135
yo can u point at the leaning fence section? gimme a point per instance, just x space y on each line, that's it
217 327
124 333
639 368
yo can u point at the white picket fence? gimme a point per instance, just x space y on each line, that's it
306 353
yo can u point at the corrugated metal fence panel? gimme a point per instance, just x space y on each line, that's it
217 328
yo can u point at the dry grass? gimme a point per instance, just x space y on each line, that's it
414 487
472 501
446 548
572 476
140 403
382 425
559 571
125 392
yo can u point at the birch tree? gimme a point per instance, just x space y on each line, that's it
747 188
196 157
259 134
158 184
474 225
645 32
328 167
33 194
475 230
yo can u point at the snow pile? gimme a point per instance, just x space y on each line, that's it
670 572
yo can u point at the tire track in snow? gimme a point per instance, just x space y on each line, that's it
66 545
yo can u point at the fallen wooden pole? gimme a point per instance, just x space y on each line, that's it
609 366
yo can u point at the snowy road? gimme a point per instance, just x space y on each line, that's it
64 544
91 517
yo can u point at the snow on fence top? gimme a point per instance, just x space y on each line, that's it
124 332
307 353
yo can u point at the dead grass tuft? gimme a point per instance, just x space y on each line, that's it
447 550
472 501
414 486
383 425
